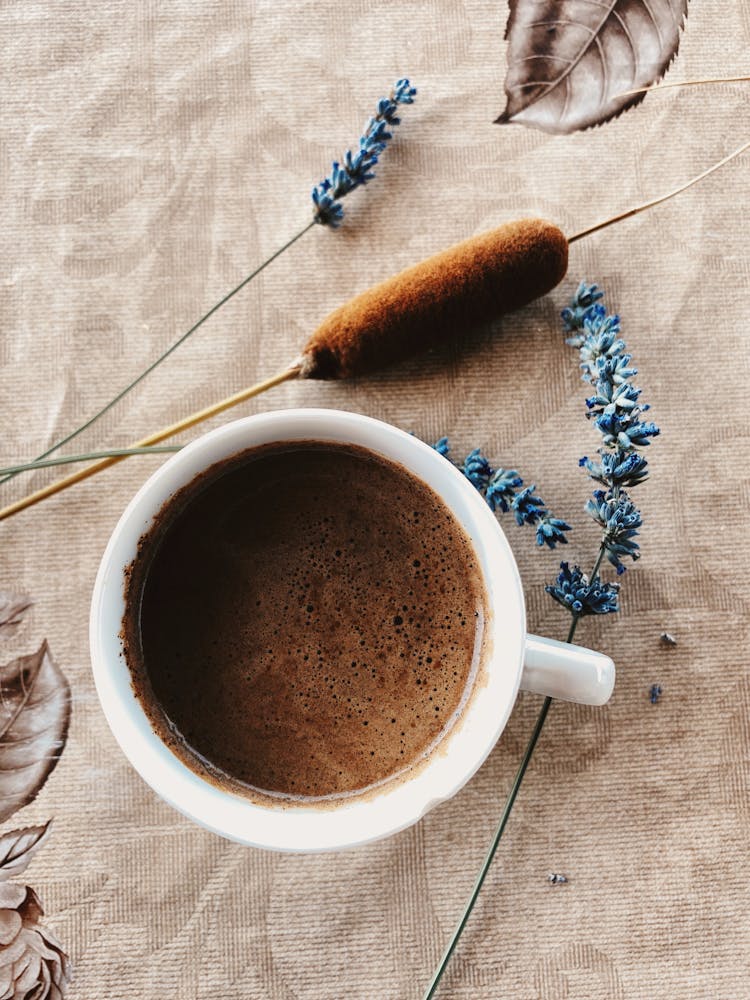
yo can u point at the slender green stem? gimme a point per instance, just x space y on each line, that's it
11 470
509 802
162 357
597 564
573 627
493 848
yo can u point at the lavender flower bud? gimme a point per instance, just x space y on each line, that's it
358 168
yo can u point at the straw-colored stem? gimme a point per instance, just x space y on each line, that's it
182 425
657 201
684 83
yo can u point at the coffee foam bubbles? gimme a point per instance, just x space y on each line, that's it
311 621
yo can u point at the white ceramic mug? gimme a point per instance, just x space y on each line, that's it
515 659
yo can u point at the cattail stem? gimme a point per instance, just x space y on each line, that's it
684 83
657 201
182 425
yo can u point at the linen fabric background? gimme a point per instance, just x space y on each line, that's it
152 155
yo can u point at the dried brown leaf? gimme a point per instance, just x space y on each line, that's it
34 716
12 607
33 964
570 61
18 847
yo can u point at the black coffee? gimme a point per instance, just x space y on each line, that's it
304 620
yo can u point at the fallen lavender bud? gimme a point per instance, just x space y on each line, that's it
654 693
556 879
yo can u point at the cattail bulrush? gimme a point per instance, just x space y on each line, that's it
423 306
440 298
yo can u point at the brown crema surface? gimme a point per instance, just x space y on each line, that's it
304 620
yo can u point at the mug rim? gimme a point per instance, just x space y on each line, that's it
361 818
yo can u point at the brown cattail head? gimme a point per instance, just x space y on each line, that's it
443 297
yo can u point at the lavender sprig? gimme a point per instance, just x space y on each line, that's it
358 168
502 489
615 409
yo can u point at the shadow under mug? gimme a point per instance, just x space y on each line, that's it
514 659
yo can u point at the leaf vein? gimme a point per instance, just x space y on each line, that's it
22 704
631 43
605 72
655 23
568 21
544 56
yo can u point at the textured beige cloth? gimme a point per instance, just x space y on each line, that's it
152 154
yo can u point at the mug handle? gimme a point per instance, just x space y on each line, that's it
571 673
